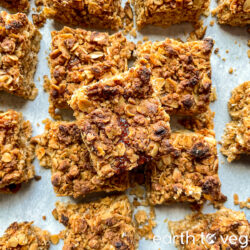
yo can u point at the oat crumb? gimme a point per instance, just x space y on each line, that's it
231 71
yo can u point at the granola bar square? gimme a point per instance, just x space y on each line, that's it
181 73
188 173
16 152
95 13
123 124
24 236
233 12
168 12
61 148
212 231
19 45
105 224
79 57
236 139
16 5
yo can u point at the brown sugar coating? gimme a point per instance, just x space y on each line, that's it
106 224
188 173
95 13
16 5
16 152
236 139
221 225
168 12
233 12
61 148
19 236
19 45
181 73
123 125
79 57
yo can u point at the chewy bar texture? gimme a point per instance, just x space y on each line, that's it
168 12
106 224
19 45
16 152
188 173
61 148
16 5
20 236
79 57
233 12
95 13
123 125
225 229
236 139
181 73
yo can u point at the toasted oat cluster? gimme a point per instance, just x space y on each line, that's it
168 12
225 229
79 57
233 12
19 45
123 125
188 173
16 152
95 13
181 73
236 139
106 224
24 236
61 148
17 5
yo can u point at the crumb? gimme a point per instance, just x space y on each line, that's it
212 23
231 71
248 53
141 217
37 177
216 51
227 51
54 239
44 217
133 33
145 38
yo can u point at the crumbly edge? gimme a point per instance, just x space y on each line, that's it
16 5
25 235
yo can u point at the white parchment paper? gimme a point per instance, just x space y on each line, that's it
36 199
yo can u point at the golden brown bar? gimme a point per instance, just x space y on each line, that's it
123 124
181 73
188 173
16 152
106 224
168 12
79 57
61 148
16 5
225 229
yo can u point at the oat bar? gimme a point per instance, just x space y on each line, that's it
106 224
19 45
61 148
168 12
236 139
188 173
123 125
225 229
79 57
95 13
181 73
16 152
24 236
233 12
16 5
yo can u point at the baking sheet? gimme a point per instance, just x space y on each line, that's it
36 199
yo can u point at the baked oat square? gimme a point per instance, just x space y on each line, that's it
79 57
16 152
106 224
212 231
24 236
181 73
188 173
233 12
19 45
61 148
236 139
168 12
95 13
16 5
123 124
